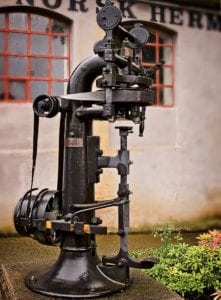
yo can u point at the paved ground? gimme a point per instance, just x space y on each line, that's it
19 256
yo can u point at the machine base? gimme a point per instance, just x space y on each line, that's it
79 275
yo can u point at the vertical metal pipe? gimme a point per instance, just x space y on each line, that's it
77 189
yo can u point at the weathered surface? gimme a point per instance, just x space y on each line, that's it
19 256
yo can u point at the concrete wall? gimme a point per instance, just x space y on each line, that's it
177 164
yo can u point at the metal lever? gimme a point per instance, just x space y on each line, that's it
122 259
151 72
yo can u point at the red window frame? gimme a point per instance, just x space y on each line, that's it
157 84
28 78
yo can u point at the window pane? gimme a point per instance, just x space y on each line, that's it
39 44
58 27
166 75
18 21
2 42
59 45
59 68
166 55
17 66
2 21
152 37
38 88
1 90
58 88
2 67
17 43
149 54
39 67
17 90
165 38
166 96
39 23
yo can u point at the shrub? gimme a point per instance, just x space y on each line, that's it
211 239
190 271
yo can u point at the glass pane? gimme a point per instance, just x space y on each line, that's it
59 27
2 66
17 90
165 38
18 21
59 68
39 44
17 66
152 37
2 42
2 21
39 23
166 55
166 96
149 54
39 67
58 88
17 43
166 75
59 45
1 90
38 88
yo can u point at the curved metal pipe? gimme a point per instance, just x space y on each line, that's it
85 73
76 187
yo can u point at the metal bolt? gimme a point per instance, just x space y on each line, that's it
32 279
104 81
121 232
100 152
106 70
122 262
96 221
71 208
99 171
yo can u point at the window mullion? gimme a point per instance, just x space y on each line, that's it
157 73
28 82
6 64
49 59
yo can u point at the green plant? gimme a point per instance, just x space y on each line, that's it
188 270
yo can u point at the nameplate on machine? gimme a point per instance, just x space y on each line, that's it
73 142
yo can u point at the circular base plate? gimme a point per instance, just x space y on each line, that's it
77 277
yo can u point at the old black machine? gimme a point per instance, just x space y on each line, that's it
66 216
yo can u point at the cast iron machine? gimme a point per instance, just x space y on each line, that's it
67 215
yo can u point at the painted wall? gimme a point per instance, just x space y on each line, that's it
177 164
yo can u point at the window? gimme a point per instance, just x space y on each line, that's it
34 56
161 47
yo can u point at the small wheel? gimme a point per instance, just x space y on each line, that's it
46 106
140 35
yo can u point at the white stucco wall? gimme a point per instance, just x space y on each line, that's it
177 164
